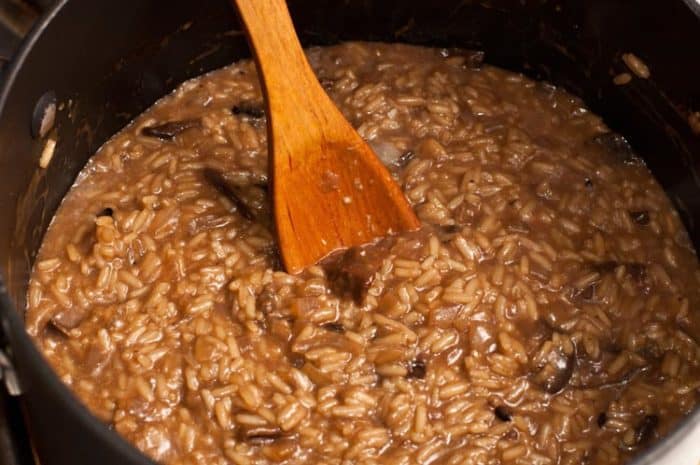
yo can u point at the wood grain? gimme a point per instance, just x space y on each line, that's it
329 189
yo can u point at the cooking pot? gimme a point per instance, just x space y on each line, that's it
104 62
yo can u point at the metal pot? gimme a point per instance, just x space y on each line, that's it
107 61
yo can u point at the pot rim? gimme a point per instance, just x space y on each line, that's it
663 450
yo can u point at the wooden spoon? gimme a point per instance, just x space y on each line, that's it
329 189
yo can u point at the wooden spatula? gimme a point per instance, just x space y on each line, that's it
329 189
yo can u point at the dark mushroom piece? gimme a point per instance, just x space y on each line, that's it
601 419
605 267
207 222
107 211
167 131
644 433
334 327
447 232
327 83
405 158
250 201
249 110
503 413
67 320
244 178
637 271
555 373
273 252
589 375
586 294
416 369
297 360
268 300
641 217
351 272
646 429
259 434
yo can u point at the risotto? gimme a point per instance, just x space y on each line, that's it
546 312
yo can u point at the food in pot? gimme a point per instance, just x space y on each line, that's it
546 313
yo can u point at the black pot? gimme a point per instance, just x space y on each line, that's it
112 60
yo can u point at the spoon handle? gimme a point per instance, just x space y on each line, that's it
294 96
329 190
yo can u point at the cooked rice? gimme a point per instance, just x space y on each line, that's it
546 314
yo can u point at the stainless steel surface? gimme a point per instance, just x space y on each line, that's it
8 374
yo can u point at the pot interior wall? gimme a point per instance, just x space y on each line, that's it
108 61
